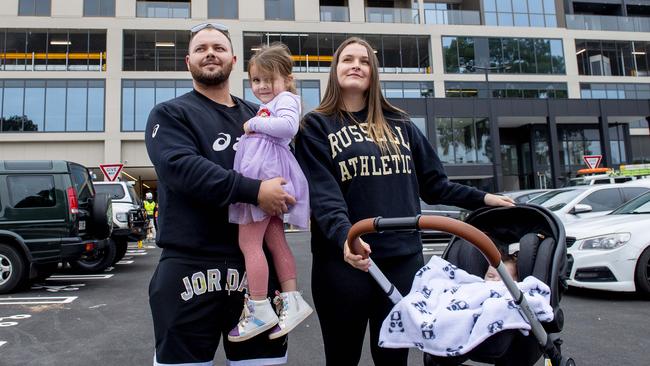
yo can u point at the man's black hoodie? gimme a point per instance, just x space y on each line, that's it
191 141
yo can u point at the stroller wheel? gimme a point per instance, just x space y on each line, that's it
568 361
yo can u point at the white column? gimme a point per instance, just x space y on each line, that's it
357 11
67 8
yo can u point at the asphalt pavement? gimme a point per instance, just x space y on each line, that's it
105 320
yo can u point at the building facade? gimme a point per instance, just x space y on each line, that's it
512 93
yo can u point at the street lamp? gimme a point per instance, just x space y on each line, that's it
494 129
486 71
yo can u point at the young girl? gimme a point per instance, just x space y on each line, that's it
364 158
263 153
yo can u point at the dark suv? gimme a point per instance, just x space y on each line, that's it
49 213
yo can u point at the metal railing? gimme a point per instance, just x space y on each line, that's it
392 15
334 14
608 23
162 9
462 17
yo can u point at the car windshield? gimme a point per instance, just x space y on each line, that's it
555 200
115 191
639 205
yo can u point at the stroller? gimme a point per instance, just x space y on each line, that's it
542 253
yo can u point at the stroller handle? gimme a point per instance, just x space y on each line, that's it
468 232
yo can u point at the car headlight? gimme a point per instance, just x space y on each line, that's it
122 217
605 242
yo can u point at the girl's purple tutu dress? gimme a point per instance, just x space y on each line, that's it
265 154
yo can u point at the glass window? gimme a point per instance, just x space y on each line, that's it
57 50
34 105
145 97
164 54
145 46
310 93
223 9
55 105
31 191
95 105
445 140
465 140
128 105
77 101
146 50
99 8
391 49
483 141
409 54
115 191
37 46
421 124
603 200
140 96
16 43
34 8
128 53
12 105
278 10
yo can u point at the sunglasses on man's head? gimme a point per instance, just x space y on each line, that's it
218 26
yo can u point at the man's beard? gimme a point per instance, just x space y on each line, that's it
213 78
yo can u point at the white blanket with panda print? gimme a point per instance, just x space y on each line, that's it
449 311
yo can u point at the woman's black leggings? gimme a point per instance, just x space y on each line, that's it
346 299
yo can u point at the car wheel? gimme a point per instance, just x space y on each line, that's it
97 260
102 216
120 249
13 269
642 272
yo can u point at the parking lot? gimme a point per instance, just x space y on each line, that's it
104 319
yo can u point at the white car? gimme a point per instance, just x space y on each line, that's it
612 252
575 203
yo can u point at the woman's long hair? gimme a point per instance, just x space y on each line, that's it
332 103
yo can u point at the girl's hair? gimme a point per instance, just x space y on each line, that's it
274 59
332 102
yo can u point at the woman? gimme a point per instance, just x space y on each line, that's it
364 158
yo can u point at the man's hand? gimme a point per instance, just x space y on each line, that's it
496 200
356 260
272 199
247 128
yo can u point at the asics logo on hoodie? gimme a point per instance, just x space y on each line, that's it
222 142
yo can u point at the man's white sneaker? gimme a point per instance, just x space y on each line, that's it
292 309
257 317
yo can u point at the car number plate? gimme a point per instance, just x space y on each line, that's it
82 225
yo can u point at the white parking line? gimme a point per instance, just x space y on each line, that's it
80 277
37 300
2 343
124 262
136 253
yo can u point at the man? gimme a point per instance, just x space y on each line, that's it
196 293
150 207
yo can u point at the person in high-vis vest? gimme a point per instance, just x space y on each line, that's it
150 207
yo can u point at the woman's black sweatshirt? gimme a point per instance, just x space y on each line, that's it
350 179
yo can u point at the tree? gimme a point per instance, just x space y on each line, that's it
18 124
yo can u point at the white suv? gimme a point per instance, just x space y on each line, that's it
129 218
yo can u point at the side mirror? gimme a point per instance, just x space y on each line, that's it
581 208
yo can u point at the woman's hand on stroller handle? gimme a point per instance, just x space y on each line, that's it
498 200
359 261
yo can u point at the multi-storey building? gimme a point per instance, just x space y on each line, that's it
512 93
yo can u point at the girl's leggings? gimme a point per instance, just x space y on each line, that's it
251 241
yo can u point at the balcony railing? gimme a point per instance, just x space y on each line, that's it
162 9
334 14
463 17
608 23
392 15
